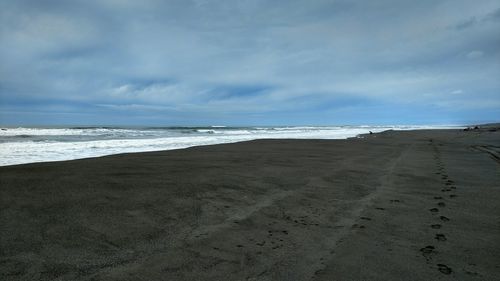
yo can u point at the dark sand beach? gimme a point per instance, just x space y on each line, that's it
409 205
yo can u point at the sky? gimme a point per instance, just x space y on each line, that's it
249 62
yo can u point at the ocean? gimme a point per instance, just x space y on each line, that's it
27 145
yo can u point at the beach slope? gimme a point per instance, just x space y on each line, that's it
398 205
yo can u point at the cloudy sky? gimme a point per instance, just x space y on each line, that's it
249 62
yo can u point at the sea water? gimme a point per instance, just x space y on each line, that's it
27 145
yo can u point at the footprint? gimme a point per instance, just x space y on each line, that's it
440 237
444 269
445 190
436 226
443 218
434 210
453 195
395 201
427 249
427 252
379 208
438 197
366 218
441 204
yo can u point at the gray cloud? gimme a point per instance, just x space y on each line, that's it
478 20
249 57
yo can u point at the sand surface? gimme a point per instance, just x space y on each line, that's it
414 205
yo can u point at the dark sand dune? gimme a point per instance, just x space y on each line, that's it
415 205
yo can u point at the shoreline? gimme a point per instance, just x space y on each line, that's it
382 207
32 145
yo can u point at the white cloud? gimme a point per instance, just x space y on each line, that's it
134 106
386 50
474 54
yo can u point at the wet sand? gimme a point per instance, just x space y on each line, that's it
412 205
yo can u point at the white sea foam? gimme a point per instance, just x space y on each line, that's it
61 132
28 145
